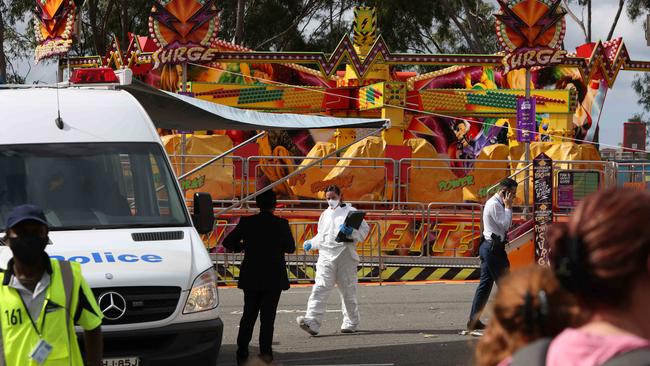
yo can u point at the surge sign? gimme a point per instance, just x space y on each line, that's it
184 30
531 32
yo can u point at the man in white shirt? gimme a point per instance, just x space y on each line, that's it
497 218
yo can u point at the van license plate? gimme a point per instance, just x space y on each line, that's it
124 361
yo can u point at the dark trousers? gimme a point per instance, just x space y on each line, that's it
494 264
264 303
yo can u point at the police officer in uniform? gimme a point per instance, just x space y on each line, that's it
41 300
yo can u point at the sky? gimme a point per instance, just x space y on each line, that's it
621 102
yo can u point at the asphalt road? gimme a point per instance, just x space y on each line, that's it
413 324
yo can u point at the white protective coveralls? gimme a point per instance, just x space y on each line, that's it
337 265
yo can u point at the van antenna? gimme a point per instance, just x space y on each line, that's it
58 120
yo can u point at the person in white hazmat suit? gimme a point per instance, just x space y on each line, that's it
337 265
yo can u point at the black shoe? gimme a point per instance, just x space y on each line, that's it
475 325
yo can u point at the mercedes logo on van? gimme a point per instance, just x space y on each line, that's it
112 304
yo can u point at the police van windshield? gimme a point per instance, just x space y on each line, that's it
91 186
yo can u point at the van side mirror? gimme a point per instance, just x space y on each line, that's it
203 216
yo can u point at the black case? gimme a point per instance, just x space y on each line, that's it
353 220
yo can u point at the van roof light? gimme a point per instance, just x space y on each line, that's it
100 75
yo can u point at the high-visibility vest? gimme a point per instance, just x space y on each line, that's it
21 334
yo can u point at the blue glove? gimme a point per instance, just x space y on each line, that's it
307 246
345 229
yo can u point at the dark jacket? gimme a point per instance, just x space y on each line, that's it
264 238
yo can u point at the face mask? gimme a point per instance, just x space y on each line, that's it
333 203
28 249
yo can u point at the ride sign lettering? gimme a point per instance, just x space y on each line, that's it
183 54
530 57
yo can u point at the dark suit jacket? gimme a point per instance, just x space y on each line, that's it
264 238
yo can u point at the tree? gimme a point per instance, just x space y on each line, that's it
269 24
585 5
585 26
621 3
3 57
15 45
641 83
443 26
239 26
586 29
101 19
641 86
636 8
407 26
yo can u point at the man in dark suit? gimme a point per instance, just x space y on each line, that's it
264 238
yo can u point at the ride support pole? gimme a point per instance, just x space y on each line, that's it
527 151
183 135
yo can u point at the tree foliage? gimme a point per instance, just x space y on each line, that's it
16 38
637 8
641 84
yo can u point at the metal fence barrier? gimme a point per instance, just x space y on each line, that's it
301 266
468 242
634 174
425 222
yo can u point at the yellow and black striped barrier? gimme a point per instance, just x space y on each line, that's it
418 273
306 273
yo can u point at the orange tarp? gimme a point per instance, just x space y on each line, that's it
308 183
217 179
360 179
431 181
488 171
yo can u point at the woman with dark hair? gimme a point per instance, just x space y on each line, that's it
337 265
530 304
264 238
602 256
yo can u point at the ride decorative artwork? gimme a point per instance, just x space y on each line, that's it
53 27
526 23
447 236
185 31
542 205
531 32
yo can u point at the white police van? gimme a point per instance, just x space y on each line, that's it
102 176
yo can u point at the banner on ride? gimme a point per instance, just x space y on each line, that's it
542 205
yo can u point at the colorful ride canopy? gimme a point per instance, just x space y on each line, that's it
179 112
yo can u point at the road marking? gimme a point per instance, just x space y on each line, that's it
374 284
239 312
